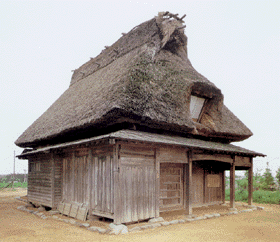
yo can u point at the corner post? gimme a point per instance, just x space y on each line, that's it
250 183
157 188
232 183
90 180
117 196
189 183
223 187
52 180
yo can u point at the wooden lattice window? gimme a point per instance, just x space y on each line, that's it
34 167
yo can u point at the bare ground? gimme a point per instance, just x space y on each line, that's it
261 225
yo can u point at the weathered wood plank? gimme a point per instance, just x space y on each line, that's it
216 157
232 184
250 183
52 178
157 182
242 161
112 169
172 155
118 213
223 187
82 213
67 208
74 210
189 183
137 161
136 150
90 180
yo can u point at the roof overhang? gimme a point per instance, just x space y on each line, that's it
152 138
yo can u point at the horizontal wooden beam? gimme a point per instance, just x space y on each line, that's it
216 157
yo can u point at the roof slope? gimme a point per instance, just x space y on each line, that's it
145 77
152 139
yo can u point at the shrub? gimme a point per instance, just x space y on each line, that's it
260 196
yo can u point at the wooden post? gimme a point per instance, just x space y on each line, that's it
250 183
72 194
52 180
90 181
232 183
223 187
117 196
189 184
157 188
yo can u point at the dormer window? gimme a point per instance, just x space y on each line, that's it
196 107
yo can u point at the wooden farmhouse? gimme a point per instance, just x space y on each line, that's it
139 131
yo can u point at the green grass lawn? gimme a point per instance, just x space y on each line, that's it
17 184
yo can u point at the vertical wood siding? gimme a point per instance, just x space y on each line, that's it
198 184
203 193
137 184
75 179
213 194
58 172
102 194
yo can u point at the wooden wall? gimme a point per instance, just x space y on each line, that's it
88 179
102 183
125 181
198 184
75 179
207 183
171 186
57 177
137 183
39 180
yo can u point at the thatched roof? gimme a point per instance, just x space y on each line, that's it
144 78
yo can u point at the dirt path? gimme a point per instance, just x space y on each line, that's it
16 225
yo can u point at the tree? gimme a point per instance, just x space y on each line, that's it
278 177
269 183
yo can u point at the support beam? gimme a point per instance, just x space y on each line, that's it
90 161
52 179
189 192
250 183
117 192
223 187
157 188
232 183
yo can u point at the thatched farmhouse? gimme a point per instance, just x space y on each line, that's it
139 131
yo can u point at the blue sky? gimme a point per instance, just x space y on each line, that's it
235 44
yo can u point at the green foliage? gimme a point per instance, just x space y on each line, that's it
263 185
16 184
260 196
268 182
278 176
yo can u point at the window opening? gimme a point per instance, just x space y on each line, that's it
196 107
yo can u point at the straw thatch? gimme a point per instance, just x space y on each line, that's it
145 78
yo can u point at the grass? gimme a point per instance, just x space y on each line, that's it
17 184
259 196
